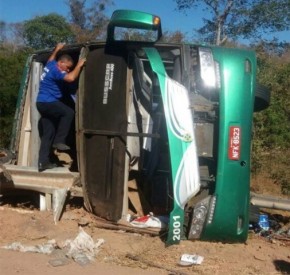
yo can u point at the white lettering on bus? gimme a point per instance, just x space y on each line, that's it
108 82
176 228
234 146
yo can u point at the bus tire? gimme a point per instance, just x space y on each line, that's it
262 98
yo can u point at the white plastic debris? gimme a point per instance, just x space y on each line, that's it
44 248
151 221
188 259
83 249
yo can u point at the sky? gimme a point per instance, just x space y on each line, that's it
12 11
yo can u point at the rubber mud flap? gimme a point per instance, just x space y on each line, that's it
104 122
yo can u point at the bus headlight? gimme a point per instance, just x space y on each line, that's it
202 211
207 67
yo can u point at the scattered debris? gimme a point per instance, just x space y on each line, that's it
264 222
187 259
46 248
82 249
260 258
151 264
59 262
151 221
283 234
271 229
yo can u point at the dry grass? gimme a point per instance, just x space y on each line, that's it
263 184
273 175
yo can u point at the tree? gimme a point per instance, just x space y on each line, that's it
46 31
173 37
11 35
239 18
274 72
271 141
2 32
88 23
77 13
11 67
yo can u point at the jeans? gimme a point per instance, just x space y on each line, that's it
54 126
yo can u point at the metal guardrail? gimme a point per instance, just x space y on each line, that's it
270 202
54 183
28 178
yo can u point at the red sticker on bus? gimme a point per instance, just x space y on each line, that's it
234 143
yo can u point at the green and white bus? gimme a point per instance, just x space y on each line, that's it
171 122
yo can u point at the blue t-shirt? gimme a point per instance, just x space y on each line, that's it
51 82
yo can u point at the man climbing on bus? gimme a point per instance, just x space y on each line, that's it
56 117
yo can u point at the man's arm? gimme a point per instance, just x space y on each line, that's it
72 76
58 47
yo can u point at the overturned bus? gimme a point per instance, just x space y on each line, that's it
169 121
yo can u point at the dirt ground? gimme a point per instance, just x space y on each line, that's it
127 253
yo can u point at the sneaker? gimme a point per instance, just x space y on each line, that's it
61 147
44 166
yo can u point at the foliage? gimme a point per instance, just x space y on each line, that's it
46 31
274 73
272 126
11 66
2 31
77 11
88 23
131 34
239 19
11 35
173 37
